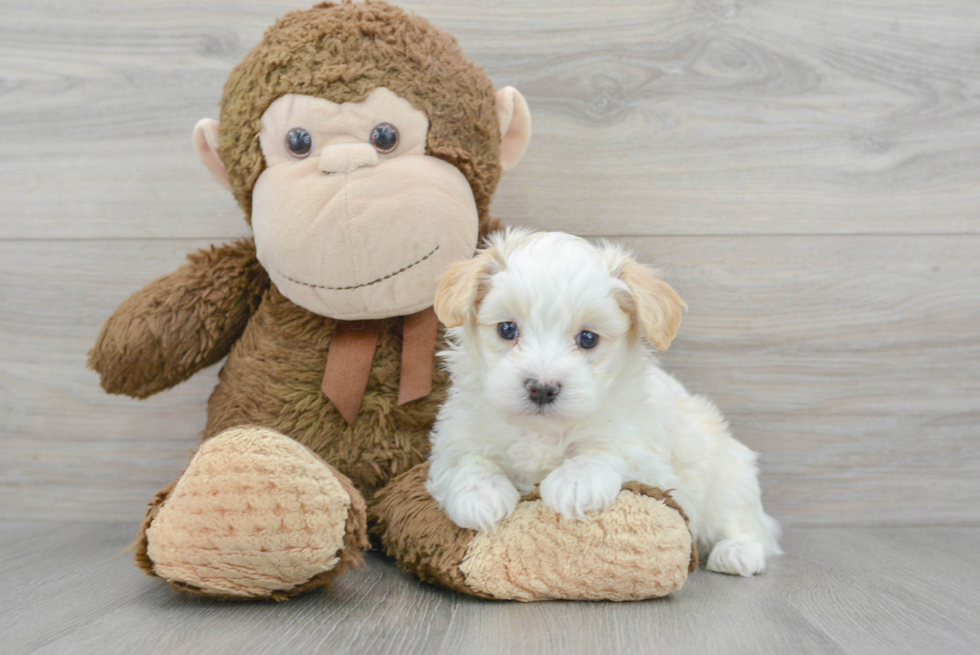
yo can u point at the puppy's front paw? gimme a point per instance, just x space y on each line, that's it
575 488
481 501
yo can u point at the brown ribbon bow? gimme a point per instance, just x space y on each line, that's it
351 353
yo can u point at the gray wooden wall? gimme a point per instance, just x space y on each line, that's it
807 173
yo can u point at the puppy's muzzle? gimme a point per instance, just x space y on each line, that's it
542 393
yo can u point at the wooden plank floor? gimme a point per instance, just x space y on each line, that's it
66 588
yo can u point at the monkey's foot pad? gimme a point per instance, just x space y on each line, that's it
639 547
255 515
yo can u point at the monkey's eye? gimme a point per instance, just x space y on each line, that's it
299 142
586 339
507 330
384 137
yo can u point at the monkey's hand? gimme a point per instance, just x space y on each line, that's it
181 323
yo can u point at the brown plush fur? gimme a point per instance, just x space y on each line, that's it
272 379
342 52
413 529
222 303
139 546
183 322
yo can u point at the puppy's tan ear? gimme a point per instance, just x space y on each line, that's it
462 286
654 305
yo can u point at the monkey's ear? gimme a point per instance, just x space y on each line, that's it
205 140
462 286
654 305
515 126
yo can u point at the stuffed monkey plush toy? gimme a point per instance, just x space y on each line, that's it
363 148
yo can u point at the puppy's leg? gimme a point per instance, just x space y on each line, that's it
724 498
474 494
582 484
743 534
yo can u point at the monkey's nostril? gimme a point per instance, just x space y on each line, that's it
542 393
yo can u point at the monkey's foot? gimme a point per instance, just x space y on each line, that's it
639 547
255 515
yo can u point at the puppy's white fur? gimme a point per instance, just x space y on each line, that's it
617 417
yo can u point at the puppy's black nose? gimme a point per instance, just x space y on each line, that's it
542 393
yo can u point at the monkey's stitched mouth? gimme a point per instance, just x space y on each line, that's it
366 284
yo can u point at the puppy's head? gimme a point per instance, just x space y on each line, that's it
550 326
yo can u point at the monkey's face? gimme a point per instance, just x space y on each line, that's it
352 219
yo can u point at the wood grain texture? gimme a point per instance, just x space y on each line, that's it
861 590
851 363
693 117
785 160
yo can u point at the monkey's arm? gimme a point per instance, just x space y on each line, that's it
181 323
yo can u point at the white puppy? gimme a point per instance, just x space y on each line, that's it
554 382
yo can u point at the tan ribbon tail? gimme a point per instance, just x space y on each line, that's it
349 359
418 352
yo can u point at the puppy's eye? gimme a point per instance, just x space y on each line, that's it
299 142
586 339
384 137
507 330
